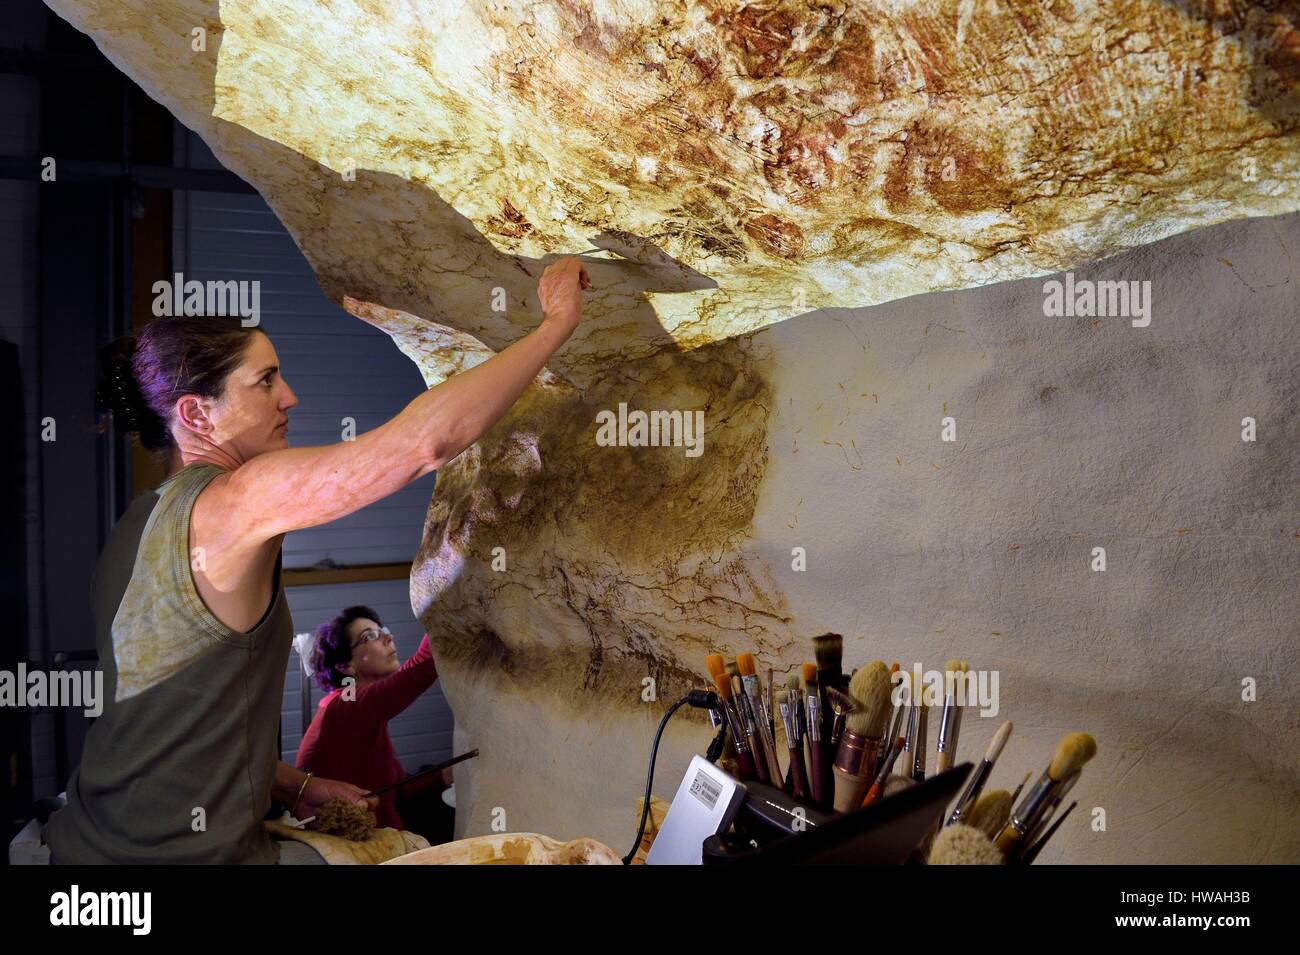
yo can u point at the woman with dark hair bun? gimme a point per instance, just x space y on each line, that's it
192 624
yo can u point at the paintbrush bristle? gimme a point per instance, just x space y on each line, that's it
858 723
841 702
866 681
782 697
745 663
1075 750
723 683
952 675
845 706
809 673
829 651
990 812
896 783
963 845
792 682
870 687
999 742
716 664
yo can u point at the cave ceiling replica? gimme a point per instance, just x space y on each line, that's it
754 176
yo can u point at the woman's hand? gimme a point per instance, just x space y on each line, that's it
320 791
560 291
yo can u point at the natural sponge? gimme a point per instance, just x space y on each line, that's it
339 817
963 845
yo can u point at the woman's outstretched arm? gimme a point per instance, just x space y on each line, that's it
287 490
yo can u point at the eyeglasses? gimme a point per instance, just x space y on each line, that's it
370 633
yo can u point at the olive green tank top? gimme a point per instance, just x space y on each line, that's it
178 768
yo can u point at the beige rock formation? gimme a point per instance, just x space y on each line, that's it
749 163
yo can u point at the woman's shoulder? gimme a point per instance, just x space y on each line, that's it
183 488
193 473
334 705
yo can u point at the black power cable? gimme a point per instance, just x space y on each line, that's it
701 699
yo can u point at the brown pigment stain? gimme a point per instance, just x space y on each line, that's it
627 558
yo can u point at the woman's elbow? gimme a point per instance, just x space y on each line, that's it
445 447
437 452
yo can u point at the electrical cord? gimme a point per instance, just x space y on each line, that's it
719 743
700 699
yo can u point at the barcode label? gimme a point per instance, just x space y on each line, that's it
705 789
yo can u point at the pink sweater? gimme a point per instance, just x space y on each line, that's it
348 739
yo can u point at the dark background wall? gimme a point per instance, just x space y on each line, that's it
137 198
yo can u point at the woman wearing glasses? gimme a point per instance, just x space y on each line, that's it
355 661
191 620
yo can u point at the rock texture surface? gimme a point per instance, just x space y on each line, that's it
749 163
757 160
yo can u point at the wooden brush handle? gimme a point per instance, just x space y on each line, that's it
818 781
848 790
773 764
798 778
745 762
424 772
760 759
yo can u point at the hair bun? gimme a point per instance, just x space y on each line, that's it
126 393
118 391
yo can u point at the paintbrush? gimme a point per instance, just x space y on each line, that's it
1032 853
752 736
817 781
741 703
859 749
1072 753
980 774
1016 794
918 738
744 758
424 772
828 650
1053 803
966 697
634 249
909 739
788 700
799 716
897 698
882 777
758 705
950 721
841 705
771 702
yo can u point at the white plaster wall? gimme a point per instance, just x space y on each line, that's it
980 549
